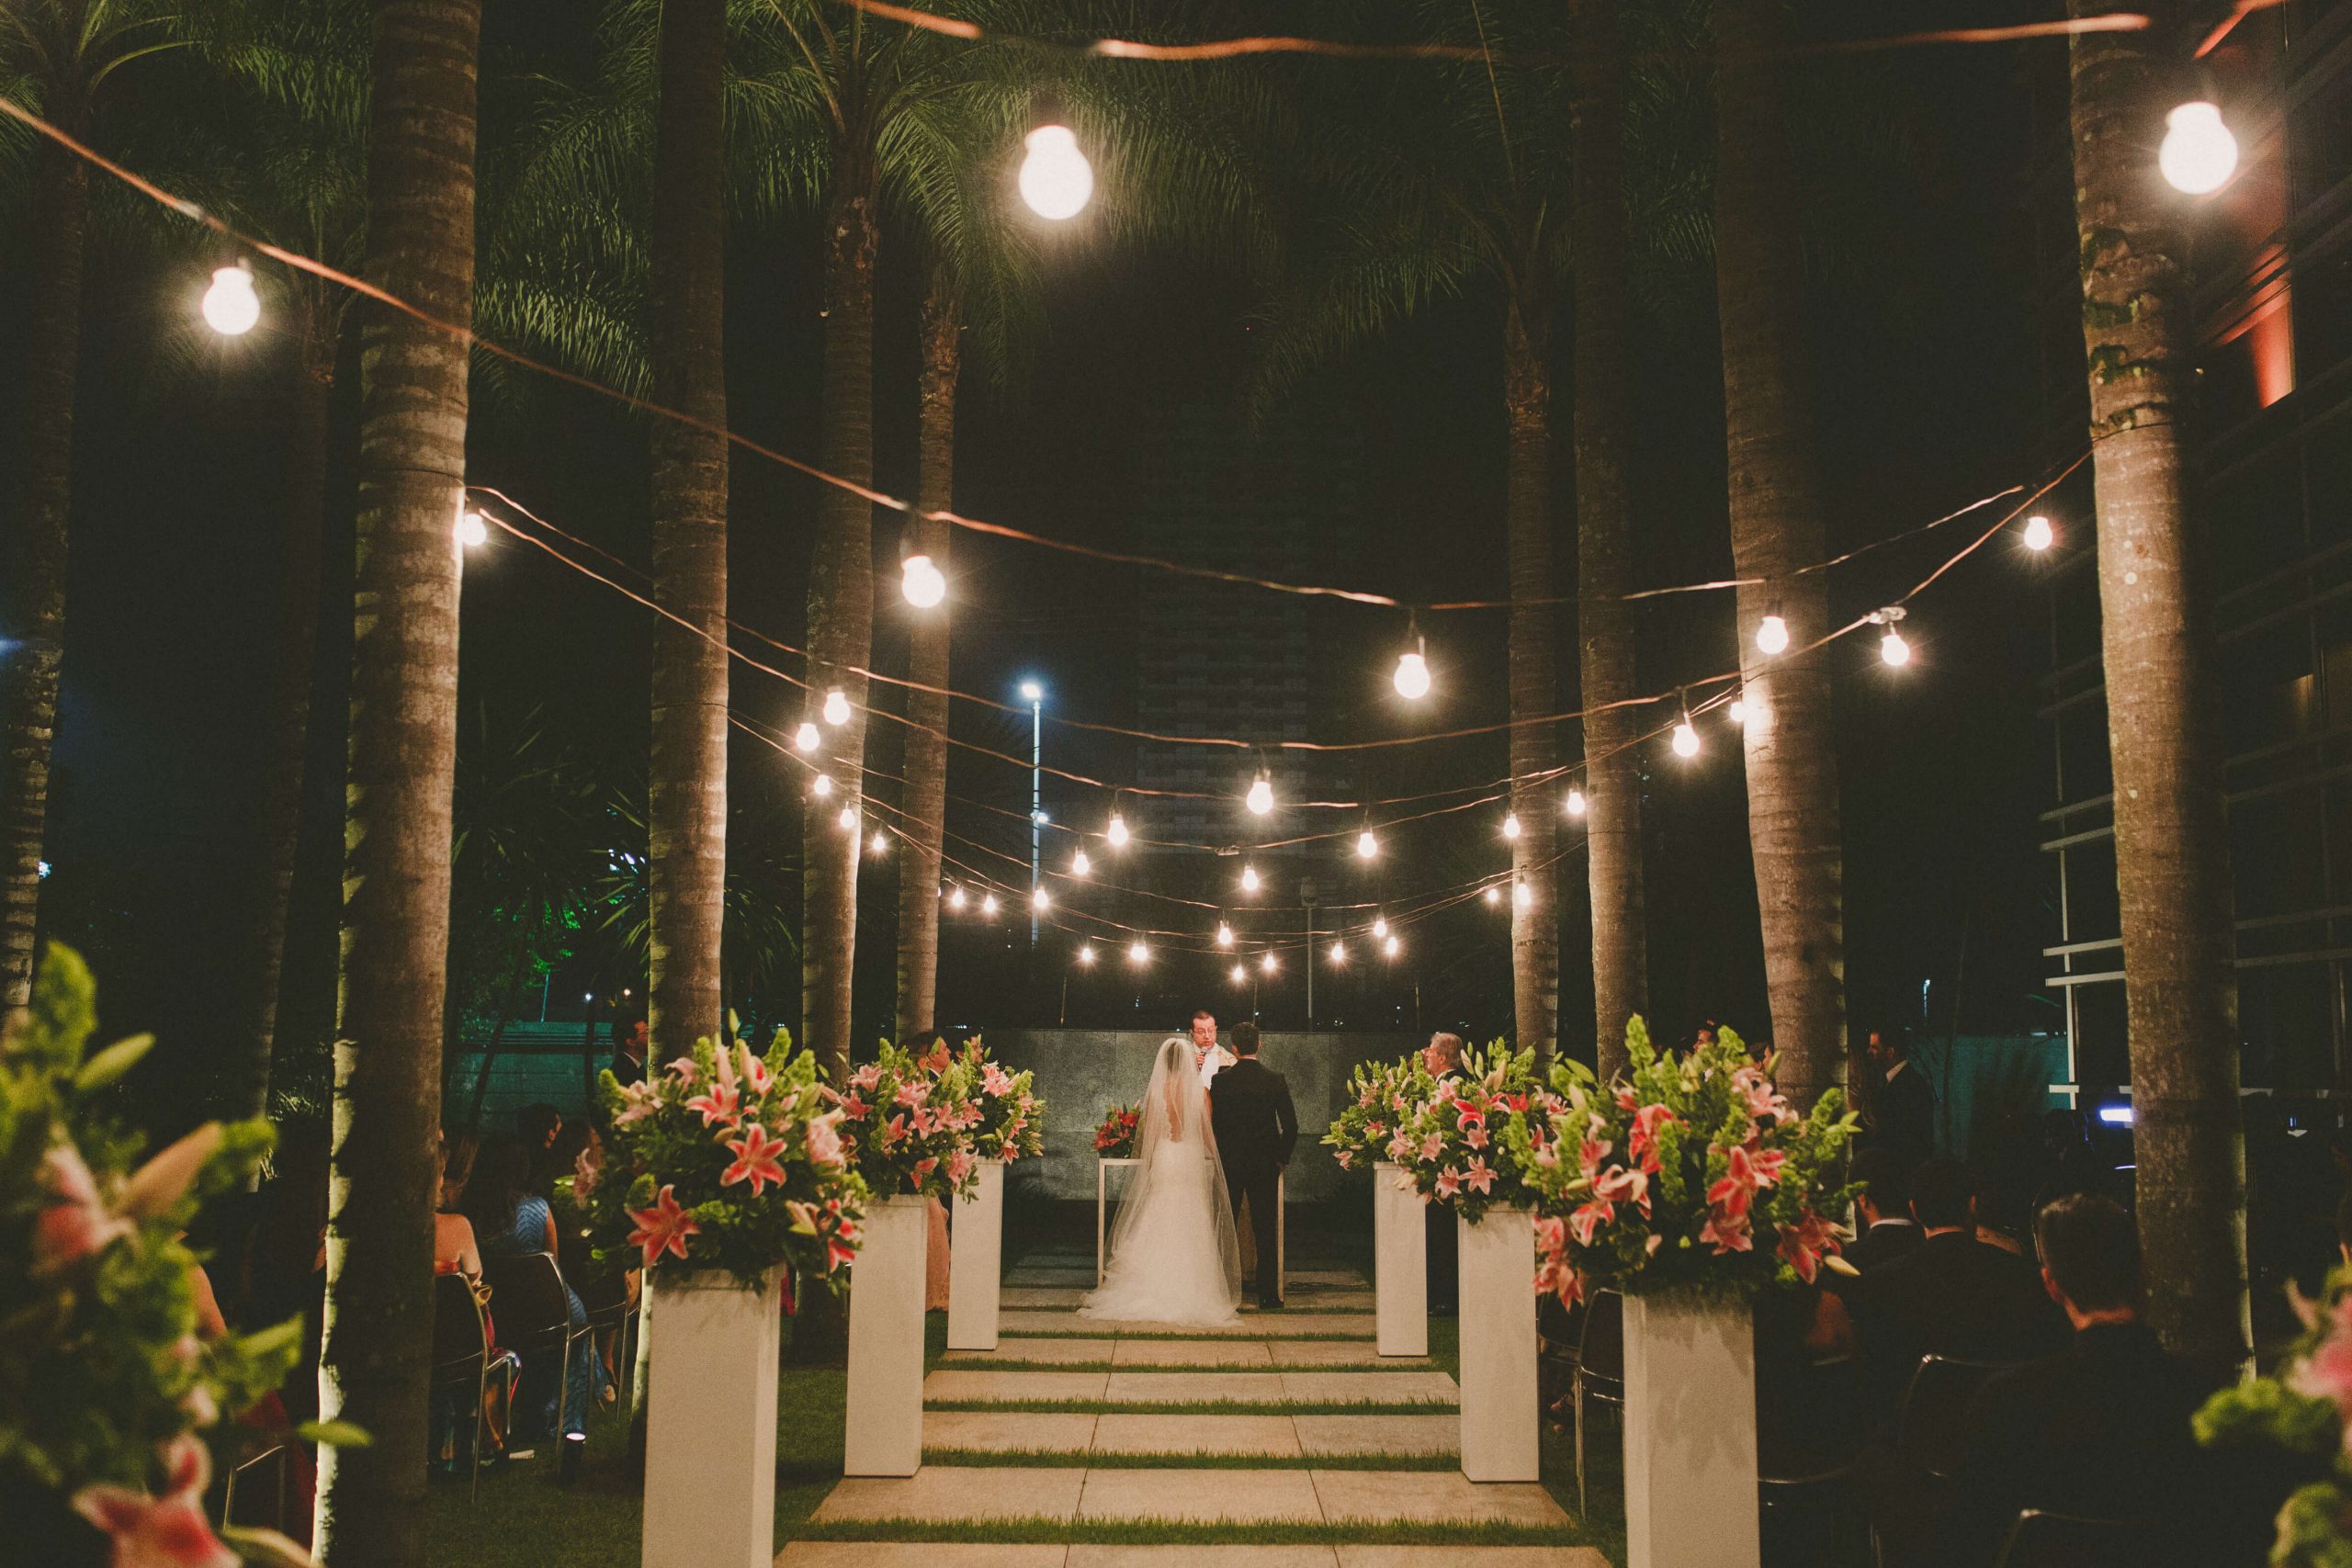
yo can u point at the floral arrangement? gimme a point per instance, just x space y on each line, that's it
727 1160
1380 1095
1689 1172
1450 1139
1012 1119
108 1395
909 1123
1116 1138
2299 1415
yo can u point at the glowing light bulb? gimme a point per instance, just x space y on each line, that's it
848 818
989 904
1893 649
821 785
1086 955
1224 934
1380 926
1494 896
955 898
1079 865
1118 831
1249 879
1056 179
1338 952
1393 947
2199 155
879 843
923 583
1032 692
2038 534
1138 954
1772 635
836 706
1737 711
1412 676
1686 740
1522 895
1510 825
1040 901
1367 847
1576 802
1237 975
1269 963
231 306
1261 796
805 737
472 532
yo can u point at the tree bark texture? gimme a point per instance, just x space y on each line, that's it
927 665
1534 688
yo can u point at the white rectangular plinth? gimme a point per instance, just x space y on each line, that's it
710 1427
1499 1413
976 1262
1400 1263
1690 1433
885 1289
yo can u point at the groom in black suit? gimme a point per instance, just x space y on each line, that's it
1256 1131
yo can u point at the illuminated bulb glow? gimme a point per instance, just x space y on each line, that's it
836 706
2199 155
1039 901
1737 711
1138 954
1079 865
1380 926
1772 635
989 904
1032 692
1249 879
472 532
1224 934
1261 796
1575 807
1237 974
1412 677
848 818
1367 846
821 785
2038 534
879 842
1686 740
923 583
1892 648
955 898
805 737
231 306
1510 825
1056 179
1086 955
1338 952
1393 948
1523 896
1493 896
1118 831
1268 964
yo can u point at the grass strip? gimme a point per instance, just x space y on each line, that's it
1186 1407
1192 1532
1181 1458
1079 1330
989 1364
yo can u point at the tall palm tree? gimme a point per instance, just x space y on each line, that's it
687 796
60 55
379 1322
1776 531
2171 867
1604 545
940 335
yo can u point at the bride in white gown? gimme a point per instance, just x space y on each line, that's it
1174 1258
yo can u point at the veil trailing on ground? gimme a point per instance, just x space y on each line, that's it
1178 1176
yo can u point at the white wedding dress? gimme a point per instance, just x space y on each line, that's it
1173 1258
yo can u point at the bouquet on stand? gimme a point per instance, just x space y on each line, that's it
1116 1138
1012 1119
909 1124
1692 1171
1381 1096
2295 1427
1450 1142
727 1160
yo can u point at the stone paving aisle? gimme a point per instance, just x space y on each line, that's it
1088 1406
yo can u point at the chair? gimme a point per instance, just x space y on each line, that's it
1557 1330
2040 1538
276 1455
1805 1486
1929 1426
605 1300
535 1318
462 1358
1599 1374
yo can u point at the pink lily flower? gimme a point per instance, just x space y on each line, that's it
664 1228
1619 1185
724 1102
1589 1218
1732 1195
995 1081
1475 1135
1642 1145
959 1166
1449 1182
1432 1146
584 1172
866 1078
638 1100
914 1092
753 1071
1480 1176
684 1070
854 1107
169 1531
1765 1164
757 1160
825 1141
1400 1148
1341 1155
894 1130
76 1222
1803 1243
1727 1233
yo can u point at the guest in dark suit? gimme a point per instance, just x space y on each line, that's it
1257 1129
2101 1429
1887 1230
1442 1240
1902 1105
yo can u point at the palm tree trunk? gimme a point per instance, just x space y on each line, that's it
1776 529
1613 781
1534 687
52 356
688 791
309 396
2171 845
841 608
375 1360
927 644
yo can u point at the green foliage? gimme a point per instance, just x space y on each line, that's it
1381 1096
2300 1410
102 1363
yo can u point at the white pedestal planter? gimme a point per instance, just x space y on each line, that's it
1690 1433
1400 1263
885 1289
1500 1415
710 1431
976 1264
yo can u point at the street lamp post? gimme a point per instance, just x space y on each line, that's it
1034 696
1306 897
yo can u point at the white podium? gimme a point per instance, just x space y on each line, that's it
710 1429
1690 1433
1400 1263
1500 1415
976 1262
884 1435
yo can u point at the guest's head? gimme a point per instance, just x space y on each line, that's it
2090 1259
1245 1039
458 1156
537 1123
1883 1053
563 1153
1941 1194
1443 1052
1886 1194
502 1178
1204 1030
633 1038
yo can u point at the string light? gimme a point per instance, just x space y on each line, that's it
1261 794
231 306
1367 847
1040 900
1771 636
1338 952
1380 926
1086 955
989 904
923 583
821 785
955 898
1737 711
1393 948
1079 865
1686 737
1510 825
1576 802
1269 963
1522 895
1892 648
1412 677
1056 179
1249 879
1118 831
805 737
1137 954
2038 533
848 818
1494 894
2199 155
1239 975
472 532
1224 934
836 706
879 843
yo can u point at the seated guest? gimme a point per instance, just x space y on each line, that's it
510 1220
2099 1430
536 1124
1887 1230
454 1251
1952 1295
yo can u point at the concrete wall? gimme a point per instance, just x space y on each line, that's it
1083 1073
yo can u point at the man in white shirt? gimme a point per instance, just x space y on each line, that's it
1212 1057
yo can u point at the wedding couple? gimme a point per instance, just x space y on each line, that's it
1217 1127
